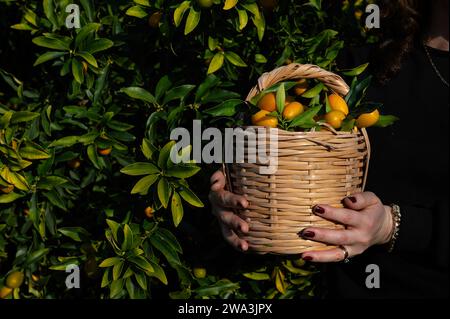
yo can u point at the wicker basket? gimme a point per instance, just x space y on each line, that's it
313 167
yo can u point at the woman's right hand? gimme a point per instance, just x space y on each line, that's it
223 202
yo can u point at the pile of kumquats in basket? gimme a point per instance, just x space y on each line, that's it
308 105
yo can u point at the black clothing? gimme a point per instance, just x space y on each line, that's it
409 167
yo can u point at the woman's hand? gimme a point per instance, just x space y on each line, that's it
222 204
368 222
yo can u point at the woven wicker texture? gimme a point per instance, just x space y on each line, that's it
313 167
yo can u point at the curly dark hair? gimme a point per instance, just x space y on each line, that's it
402 24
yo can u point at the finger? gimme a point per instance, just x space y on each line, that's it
233 239
341 215
217 181
227 199
326 256
360 201
232 221
330 236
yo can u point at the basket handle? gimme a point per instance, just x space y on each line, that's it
296 71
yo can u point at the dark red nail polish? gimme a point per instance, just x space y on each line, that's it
308 234
352 199
318 210
307 258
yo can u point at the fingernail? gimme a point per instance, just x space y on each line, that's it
318 210
352 199
307 258
307 234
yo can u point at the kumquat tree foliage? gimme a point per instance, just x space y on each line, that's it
85 119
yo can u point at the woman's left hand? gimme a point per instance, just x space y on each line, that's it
368 222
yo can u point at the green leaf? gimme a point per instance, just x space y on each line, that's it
98 45
128 238
159 273
256 276
168 239
192 20
281 98
220 287
306 119
141 280
386 120
226 108
65 141
252 8
348 124
109 262
230 4
23 116
47 56
234 59
85 32
213 43
216 62
49 10
164 154
105 279
177 209
164 192
50 43
144 184
142 263
147 148
145 3
357 92
160 243
259 58
260 24
161 88
179 92
356 71
119 126
88 7
89 58
179 12
316 4
32 153
117 270
114 226
93 157
30 17
139 93
49 182
137 169
76 233
136 11
243 18
313 92
22 27
183 170
9 198
36 256
77 71
190 197
55 199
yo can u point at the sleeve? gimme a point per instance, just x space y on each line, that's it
424 231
